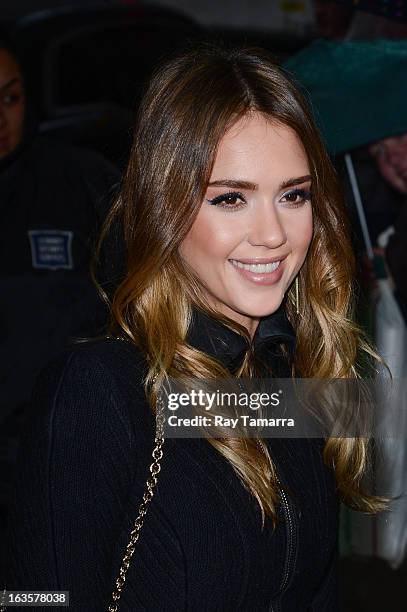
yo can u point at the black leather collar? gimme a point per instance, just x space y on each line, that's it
229 347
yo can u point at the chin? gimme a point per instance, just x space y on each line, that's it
260 309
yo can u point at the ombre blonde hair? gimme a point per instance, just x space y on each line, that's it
191 102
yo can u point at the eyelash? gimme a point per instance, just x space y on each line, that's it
221 199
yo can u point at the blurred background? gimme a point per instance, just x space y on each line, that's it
71 77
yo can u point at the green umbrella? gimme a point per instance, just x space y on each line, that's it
358 90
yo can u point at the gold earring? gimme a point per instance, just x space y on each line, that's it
297 296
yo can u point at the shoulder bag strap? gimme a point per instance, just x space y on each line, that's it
155 467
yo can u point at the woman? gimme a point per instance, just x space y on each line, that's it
220 231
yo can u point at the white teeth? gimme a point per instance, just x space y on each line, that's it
260 268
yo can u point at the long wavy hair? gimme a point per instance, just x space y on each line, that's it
193 99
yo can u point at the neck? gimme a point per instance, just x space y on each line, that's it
250 323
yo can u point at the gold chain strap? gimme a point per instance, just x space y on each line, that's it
155 468
147 497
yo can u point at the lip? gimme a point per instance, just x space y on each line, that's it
260 278
260 260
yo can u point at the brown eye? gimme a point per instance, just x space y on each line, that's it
231 199
228 200
297 197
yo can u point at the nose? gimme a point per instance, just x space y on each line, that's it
266 228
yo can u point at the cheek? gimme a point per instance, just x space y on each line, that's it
300 231
210 236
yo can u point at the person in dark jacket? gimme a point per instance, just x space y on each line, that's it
53 199
236 267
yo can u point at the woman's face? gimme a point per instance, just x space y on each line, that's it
12 104
253 230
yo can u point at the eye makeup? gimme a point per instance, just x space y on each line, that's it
304 195
228 200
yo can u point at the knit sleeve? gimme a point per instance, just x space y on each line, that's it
73 476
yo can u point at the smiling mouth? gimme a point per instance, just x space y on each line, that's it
259 268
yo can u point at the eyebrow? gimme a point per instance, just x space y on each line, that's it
233 184
10 83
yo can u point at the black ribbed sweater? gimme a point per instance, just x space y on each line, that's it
84 458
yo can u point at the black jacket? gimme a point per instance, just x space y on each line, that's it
53 199
84 460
